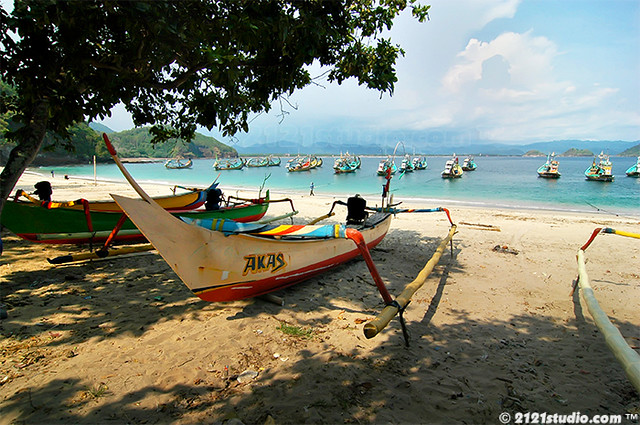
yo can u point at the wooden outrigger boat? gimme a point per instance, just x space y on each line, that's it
273 161
600 171
406 166
177 164
192 199
634 170
346 164
386 167
549 170
628 358
53 223
469 164
419 163
223 261
257 162
452 169
228 164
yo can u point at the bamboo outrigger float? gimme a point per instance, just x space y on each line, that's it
222 260
628 358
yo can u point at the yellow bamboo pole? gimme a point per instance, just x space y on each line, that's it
375 326
621 233
628 358
316 220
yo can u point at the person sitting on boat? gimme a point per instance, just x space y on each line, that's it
43 190
214 199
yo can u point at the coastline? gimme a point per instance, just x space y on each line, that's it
491 331
373 199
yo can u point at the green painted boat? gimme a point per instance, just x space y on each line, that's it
74 226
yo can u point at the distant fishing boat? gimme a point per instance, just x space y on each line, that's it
452 169
469 164
229 164
406 166
273 161
257 162
634 170
419 163
549 170
600 171
303 163
178 163
346 164
387 166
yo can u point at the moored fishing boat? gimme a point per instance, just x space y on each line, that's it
419 163
178 163
229 164
600 171
634 170
469 164
452 169
61 225
406 166
257 162
273 161
549 170
387 167
346 164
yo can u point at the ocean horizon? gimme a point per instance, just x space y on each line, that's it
500 182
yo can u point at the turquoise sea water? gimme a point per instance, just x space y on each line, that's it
498 182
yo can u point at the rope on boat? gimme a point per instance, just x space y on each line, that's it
628 358
375 326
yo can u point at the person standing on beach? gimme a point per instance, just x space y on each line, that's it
311 187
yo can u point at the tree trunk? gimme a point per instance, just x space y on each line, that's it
23 154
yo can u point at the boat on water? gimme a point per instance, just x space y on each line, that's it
469 164
387 167
634 170
54 223
273 161
257 162
452 169
406 166
419 163
549 170
264 161
303 163
346 164
178 163
229 164
600 171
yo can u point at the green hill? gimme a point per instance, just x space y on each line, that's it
632 151
85 142
534 152
100 128
577 152
136 143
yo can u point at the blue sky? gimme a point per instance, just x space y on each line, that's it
510 71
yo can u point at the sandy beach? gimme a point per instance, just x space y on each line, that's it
122 340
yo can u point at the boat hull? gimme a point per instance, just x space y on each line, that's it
217 268
186 201
70 226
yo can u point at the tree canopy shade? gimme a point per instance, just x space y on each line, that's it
179 65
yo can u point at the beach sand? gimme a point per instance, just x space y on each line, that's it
122 340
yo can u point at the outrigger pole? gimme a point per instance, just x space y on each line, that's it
398 305
628 358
